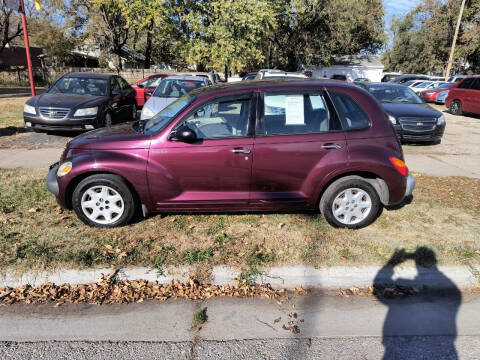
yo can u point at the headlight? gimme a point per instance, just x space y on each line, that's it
147 111
86 111
441 120
392 119
64 169
29 109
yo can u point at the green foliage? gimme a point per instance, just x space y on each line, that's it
423 38
197 256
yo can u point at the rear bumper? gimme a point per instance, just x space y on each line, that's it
410 185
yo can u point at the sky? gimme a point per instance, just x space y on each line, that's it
397 7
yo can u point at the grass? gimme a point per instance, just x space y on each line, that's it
36 234
11 114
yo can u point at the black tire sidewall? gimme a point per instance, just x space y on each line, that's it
134 112
459 108
332 192
106 122
116 183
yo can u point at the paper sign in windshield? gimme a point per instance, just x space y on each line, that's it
294 110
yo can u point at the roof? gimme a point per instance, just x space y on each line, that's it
186 77
266 84
382 84
358 60
90 75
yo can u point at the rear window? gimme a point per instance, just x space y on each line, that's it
351 114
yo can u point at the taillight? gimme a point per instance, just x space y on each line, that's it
399 165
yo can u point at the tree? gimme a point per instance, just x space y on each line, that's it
10 25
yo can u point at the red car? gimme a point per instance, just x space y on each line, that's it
258 146
430 95
146 86
465 97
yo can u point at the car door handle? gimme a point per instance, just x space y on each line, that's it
332 146
240 151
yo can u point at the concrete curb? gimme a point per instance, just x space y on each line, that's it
463 277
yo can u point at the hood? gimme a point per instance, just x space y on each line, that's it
118 137
66 100
157 104
411 110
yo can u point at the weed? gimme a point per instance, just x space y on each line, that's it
196 256
200 317
221 239
219 226
161 257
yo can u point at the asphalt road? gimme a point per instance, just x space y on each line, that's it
328 326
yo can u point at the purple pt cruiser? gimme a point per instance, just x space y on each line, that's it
278 145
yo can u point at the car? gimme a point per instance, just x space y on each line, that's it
81 102
421 86
456 78
249 76
430 95
278 74
407 77
339 77
359 80
412 118
169 90
272 145
441 96
144 87
389 77
465 96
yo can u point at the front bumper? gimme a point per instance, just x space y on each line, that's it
410 185
69 123
52 183
420 136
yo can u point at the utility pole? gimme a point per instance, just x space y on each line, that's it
452 51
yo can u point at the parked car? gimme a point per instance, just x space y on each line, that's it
407 77
465 96
249 76
412 119
359 80
339 77
260 146
168 91
146 86
421 86
441 97
456 78
430 95
278 74
389 77
81 101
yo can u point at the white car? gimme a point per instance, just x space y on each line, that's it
426 85
278 74
170 89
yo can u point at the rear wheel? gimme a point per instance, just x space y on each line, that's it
456 107
103 200
350 203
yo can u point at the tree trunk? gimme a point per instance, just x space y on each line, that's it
148 49
226 73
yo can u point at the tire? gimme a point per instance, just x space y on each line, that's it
106 194
345 193
134 112
108 119
456 108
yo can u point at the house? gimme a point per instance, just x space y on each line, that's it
353 67
16 57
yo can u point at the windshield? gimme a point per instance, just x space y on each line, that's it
80 86
176 88
395 94
159 121
445 86
423 84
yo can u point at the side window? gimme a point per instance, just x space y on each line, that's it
476 84
353 116
295 114
466 84
123 83
222 119
114 86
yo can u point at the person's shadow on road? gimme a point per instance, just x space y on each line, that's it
421 326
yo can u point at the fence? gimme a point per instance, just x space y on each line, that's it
19 77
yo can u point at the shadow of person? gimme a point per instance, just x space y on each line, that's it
421 326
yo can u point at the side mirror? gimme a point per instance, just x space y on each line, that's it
116 92
46 87
185 134
141 86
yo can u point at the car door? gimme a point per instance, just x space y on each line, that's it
127 99
464 94
214 171
474 96
298 143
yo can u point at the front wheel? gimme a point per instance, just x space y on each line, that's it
134 112
350 203
456 108
108 119
103 200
